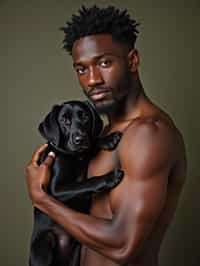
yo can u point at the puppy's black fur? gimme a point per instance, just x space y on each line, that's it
73 133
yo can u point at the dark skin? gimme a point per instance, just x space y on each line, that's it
126 225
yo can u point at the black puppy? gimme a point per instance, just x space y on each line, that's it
73 133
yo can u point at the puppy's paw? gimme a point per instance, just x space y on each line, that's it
114 178
118 176
110 141
116 136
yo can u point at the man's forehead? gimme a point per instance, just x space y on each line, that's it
93 46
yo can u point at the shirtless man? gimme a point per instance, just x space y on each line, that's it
125 226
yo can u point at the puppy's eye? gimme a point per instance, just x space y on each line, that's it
83 116
66 121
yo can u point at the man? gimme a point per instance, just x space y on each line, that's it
125 226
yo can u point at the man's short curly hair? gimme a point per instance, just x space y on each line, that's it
95 20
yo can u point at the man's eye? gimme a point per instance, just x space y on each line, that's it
105 63
80 70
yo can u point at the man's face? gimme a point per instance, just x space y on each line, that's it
102 68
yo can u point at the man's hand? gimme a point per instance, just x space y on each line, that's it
37 176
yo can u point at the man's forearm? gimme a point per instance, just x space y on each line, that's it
96 233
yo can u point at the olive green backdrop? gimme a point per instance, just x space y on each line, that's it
35 73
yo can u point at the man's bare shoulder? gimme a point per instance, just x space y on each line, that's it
154 125
154 136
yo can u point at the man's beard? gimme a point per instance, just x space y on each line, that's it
106 108
102 108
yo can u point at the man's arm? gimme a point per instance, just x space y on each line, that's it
146 157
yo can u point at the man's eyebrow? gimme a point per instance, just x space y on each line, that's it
93 58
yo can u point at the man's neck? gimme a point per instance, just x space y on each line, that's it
130 107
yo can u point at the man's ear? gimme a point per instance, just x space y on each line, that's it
133 60
49 127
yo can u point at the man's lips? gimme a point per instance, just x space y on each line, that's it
99 93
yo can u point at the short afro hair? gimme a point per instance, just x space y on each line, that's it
95 20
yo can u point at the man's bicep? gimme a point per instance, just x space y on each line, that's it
139 200
146 197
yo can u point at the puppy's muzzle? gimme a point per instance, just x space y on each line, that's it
80 139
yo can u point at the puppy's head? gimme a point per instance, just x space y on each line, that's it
72 126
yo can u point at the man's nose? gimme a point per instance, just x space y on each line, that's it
95 77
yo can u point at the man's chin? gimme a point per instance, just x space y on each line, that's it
104 107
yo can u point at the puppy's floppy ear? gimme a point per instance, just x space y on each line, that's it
49 127
97 122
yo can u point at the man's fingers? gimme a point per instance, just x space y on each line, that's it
37 154
49 159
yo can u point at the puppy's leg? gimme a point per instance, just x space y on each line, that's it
65 246
42 240
76 255
110 141
93 185
42 249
